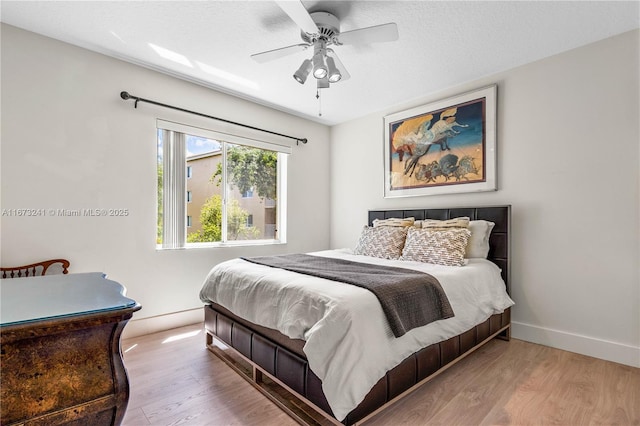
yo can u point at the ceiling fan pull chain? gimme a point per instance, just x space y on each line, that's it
319 102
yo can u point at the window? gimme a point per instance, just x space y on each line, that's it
224 188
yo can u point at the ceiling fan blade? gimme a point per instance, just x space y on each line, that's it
270 55
377 33
298 14
343 71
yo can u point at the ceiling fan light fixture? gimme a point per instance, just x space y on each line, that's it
323 83
303 72
319 65
333 72
319 31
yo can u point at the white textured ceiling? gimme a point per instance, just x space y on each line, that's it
441 43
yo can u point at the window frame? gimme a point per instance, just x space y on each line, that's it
175 235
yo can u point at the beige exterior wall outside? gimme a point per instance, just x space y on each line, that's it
202 188
200 185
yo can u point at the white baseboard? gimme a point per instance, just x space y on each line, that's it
139 327
597 348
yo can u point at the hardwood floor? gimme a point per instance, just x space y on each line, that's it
175 380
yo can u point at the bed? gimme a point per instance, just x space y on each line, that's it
284 354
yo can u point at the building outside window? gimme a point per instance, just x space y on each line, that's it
225 204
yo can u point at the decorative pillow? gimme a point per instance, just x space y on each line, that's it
478 245
439 246
458 222
408 221
383 241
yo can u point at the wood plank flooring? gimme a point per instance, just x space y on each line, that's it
175 380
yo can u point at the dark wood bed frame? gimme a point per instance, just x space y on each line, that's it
277 366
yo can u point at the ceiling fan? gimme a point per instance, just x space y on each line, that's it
319 30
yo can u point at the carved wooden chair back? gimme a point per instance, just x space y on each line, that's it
38 268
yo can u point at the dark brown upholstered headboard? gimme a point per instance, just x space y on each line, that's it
499 243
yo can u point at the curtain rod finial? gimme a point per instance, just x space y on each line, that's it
125 95
304 141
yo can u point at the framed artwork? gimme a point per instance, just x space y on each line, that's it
444 147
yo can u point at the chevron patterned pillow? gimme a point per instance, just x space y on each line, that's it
383 241
395 221
458 222
441 246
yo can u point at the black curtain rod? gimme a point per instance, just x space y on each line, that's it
126 96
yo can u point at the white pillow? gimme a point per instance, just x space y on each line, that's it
478 245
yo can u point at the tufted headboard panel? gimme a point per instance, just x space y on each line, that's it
499 242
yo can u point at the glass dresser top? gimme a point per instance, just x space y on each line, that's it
31 299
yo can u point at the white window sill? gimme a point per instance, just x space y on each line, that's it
247 243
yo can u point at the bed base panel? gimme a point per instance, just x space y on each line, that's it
291 371
300 409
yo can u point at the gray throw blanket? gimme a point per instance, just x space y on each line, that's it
409 298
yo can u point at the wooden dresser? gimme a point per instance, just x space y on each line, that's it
60 350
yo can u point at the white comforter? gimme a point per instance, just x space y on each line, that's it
349 344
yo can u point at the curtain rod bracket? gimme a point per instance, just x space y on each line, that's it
126 96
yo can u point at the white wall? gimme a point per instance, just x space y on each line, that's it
568 163
70 142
